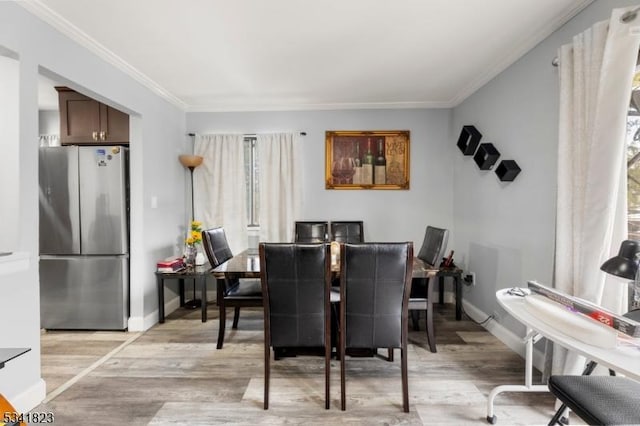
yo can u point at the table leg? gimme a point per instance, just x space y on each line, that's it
431 332
528 379
160 284
458 288
181 291
441 290
203 297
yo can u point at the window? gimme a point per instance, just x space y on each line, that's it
633 163
252 175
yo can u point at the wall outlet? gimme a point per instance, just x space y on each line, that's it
470 278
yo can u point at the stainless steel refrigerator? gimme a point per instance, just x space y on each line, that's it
84 244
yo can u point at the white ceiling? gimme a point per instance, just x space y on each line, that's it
241 55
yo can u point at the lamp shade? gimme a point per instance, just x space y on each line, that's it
625 264
190 161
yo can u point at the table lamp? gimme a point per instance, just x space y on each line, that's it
191 162
625 265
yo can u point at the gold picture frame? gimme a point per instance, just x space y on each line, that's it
367 159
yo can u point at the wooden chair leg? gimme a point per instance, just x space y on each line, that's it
343 400
267 370
327 375
222 320
390 354
405 380
415 318
430 330
236 317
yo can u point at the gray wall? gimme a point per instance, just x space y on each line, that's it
49 122
505 231
158 136
388 215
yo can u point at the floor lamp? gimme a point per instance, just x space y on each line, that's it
191 162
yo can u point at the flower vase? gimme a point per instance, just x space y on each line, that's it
200 260
190 256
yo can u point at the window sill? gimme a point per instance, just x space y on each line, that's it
14 262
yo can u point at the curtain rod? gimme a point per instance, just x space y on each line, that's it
252 134
626 17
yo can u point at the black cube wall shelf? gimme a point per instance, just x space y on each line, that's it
507 170
486 156
469 140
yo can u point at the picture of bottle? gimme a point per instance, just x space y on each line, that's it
357 176
380 167
366 176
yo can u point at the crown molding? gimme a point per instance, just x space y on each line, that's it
517 53
37 8
317 107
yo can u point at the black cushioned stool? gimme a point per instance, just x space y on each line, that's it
598 400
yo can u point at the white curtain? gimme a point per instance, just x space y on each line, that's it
220 186
280 185
596 72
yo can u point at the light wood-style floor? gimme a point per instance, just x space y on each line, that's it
173 374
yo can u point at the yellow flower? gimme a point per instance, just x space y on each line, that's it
195 234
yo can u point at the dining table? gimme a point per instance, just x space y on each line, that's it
247 265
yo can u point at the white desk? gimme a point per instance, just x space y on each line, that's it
624 359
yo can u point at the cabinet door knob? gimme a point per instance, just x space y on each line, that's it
95 136
103 135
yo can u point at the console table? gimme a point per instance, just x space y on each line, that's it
197 273
456 275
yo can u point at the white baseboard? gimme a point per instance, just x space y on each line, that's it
514 342
148 321
31 398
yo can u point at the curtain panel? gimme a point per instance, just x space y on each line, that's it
220 187
596 71
280 185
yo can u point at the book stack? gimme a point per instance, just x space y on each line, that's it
171 264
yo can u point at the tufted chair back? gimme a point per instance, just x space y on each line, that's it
216 246
375 281
296 282
434 245
311 232
347 231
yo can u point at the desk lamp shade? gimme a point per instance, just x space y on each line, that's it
625 264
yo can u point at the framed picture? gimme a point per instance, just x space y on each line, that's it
367 159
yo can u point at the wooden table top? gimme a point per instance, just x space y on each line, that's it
247 265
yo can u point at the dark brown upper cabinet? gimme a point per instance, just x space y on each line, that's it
86 121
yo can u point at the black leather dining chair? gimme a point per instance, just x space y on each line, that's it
433 248
231 293
295 289
311 231
375 280
347 231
